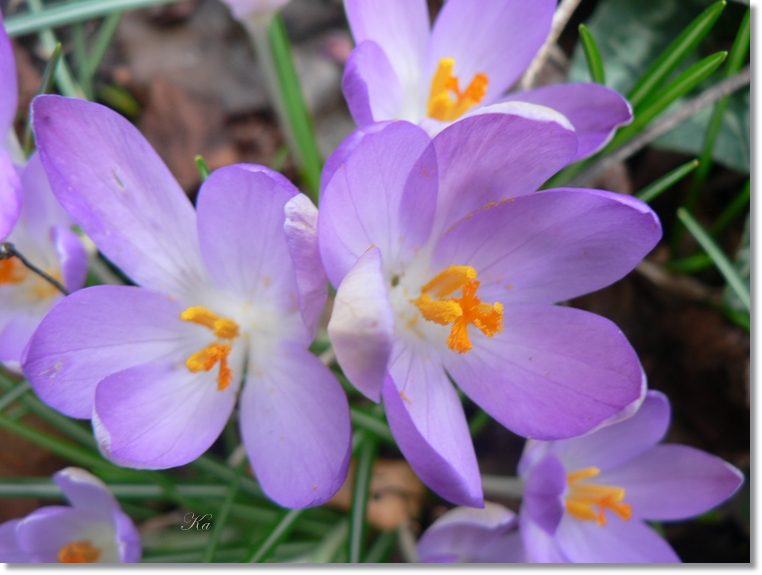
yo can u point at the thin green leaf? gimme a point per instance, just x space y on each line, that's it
105 35
208 464
691 264
732 211
592 55
331 543
260 552
46 86
203 167
80 57
120 99
360 499
671 58
377 427
665 182
478 422
382 547
232 555
718 257
13 394
738 317
221 517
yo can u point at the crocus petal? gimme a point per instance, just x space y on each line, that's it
370 85
401 29
500 151
610 446
9 90
295 425
160 415
670 482
540 546
10 195
545 484
345 149
300 229
85 491
382 195
617 541
594 110
551 373
240 226
41 209
499 39
99 331
10 552
72 255
552 245
461 533
127 538
16 333
428 423
362 325
115 186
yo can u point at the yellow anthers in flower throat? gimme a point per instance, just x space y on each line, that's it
79 552
446 102
12 271
462 311
582 498
205 359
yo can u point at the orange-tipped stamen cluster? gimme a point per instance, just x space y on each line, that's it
11 271
79 552
446 102
582 498
205 359
462 311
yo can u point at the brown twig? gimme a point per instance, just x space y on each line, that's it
8 250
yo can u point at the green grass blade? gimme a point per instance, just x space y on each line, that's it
665 182
46 86
592 55
718 257
202 167
331 543
105 35
738 317
478 422
80 57
382 546
208 464
13 394
377 427
260 552
690 265
221 518
732 211
360 499
675 53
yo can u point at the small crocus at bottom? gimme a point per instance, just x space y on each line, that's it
94 529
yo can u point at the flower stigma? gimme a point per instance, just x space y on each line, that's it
13 272
581 498
462 311
205 359
442 106
79 552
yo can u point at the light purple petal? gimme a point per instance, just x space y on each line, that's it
540 547
382 195
127 538
115 186
463 532
345 149
16 333
10 195
509 548
552 245
41 209
370 85
98 331
499 39
161 415
552 373
295 425
10 552
300 229
85 491
616 444
9 90
428 423
503 151
240 227
545 483
401 29
594 110
362 325
670 482
72 255
617 541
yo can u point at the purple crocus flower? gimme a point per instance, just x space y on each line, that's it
93 530
586 498
231 292
447 264
468 535
469 59
243 9
10 186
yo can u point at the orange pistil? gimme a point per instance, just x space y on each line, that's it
79 552
583 497
205 359
462 311
12 272
442 106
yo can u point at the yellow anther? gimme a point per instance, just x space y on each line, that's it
446 102
207 358
582 498
462 311
79 552
11 271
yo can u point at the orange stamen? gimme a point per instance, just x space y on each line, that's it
11 271
582 498
79 552
205 359
442 106
462 311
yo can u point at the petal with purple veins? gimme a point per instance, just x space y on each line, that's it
545 484
370 85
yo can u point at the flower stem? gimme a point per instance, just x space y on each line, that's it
360 499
